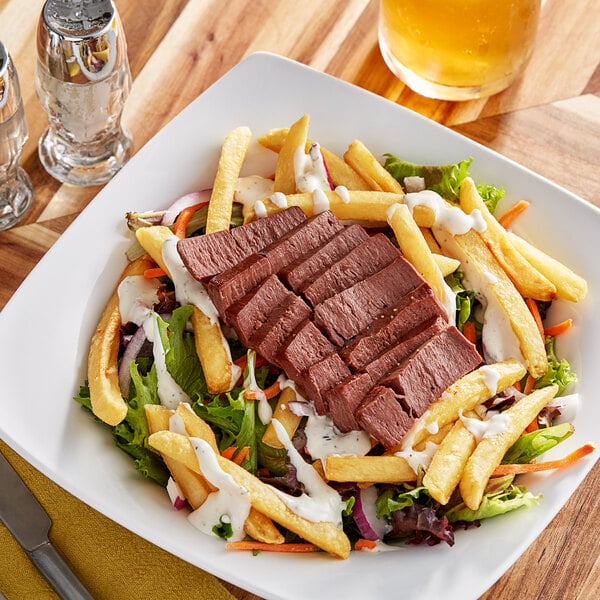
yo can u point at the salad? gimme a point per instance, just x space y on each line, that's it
245 450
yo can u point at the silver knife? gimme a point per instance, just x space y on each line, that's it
29 523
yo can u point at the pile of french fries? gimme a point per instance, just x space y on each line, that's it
459 460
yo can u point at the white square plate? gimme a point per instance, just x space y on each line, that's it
46 327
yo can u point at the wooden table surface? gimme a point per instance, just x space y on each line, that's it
549 121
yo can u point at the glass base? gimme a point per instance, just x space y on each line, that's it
84 164
438 91
15 200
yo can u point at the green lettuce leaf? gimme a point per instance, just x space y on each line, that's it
533 444
390 500
465 301
559 371
496 502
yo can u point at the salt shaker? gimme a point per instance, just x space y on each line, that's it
82 80
16 190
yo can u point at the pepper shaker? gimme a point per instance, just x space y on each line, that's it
82 81
16 191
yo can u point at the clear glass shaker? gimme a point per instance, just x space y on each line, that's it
82 80
16 191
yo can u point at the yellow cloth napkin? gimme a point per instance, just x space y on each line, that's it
112 562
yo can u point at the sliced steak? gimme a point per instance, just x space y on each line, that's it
351 311
270 337
381 415
344 398
414 308
207 255
305 269
371 256
302 240
250 312
304 347
256 235
403 348
234 283
320 377
436 365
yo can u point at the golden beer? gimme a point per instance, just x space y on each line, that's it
457 49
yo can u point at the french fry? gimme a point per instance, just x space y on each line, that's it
482 267
232 156
323 534
368 469
194 487
358 205
359 157
285 175
469 391
416 251
431 241
340 172
285 416
569 285
103 369
444 472
196 426
446 264
152 239
490 450
526 278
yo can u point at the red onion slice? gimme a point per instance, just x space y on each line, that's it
365 517
183 202
130 354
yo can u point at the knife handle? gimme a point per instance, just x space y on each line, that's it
52 566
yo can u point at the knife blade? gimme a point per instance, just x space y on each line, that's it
29 524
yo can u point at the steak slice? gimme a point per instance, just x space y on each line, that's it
256 235
436 365
412 310
302 240
250 312
234 283
371 256
344 398
305 269
304 347
320 377
403 348
272 334
207 255
381 415
351 311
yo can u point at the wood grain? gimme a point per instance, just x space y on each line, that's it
549 121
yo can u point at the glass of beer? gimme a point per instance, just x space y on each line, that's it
457 49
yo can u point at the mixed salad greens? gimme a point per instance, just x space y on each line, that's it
403 512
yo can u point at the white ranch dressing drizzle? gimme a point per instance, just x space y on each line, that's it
176 425
260 210
490 278
187 289
322 439
252 188
433 427
265 412
494 424
490 378
417 458
300 406
343 193
279 199
309 169
451 218
230 503
321 502
320 201
136 298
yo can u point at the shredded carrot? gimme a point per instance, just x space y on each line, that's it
517 386
289 547
363 544
514 211
182 220
469 331
242 361
269 392
533 426
559 328
229 452
242 455
560 463
529 383
535 313
154 272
